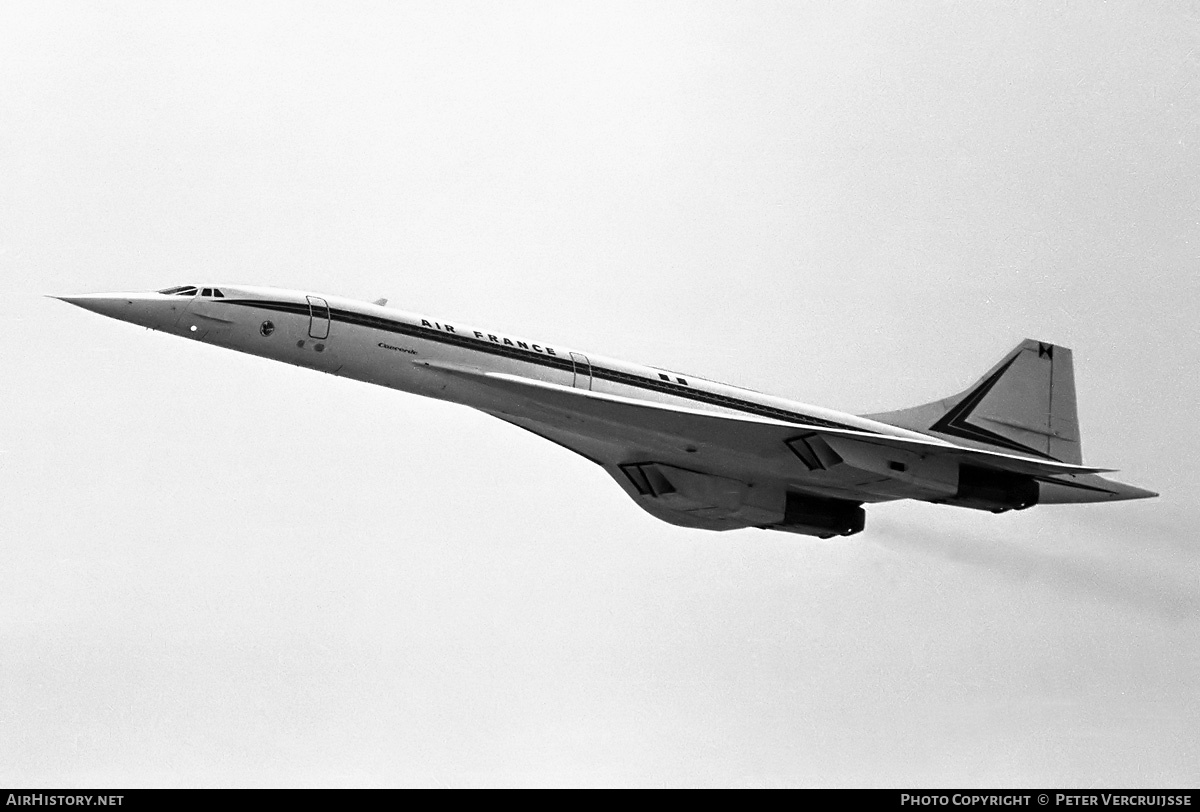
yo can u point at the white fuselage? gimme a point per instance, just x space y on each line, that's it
384 346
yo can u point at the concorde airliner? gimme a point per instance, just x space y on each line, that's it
689 451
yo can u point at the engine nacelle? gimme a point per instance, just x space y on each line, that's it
997 491
814 516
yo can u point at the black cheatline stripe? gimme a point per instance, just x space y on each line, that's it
955 422
553 361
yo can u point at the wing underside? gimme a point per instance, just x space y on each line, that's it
724 471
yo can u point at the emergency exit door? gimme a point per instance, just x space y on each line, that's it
582 368
318 317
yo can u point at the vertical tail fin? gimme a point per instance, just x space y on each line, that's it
1025 404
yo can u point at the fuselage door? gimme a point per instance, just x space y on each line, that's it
318 317
583 371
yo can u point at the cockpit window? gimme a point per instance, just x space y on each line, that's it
192 290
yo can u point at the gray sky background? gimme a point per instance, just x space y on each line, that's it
220 570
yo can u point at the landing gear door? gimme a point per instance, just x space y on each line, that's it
583 371
318 317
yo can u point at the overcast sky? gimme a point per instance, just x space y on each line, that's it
220 570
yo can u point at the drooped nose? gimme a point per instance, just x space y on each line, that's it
114 305
147 309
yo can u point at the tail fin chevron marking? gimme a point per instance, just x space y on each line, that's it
955 422
1024 404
